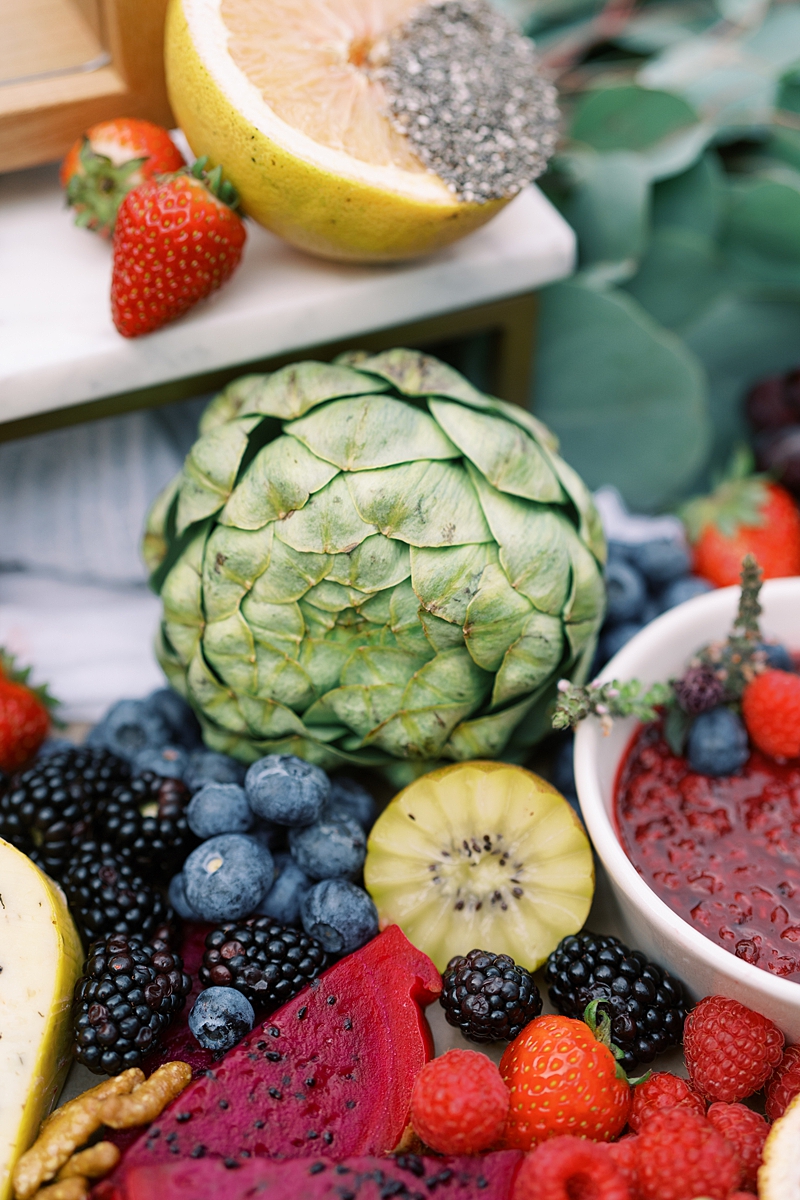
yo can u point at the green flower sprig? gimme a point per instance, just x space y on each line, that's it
608 700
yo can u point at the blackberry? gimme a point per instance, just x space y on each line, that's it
47 808
144 820
488 997
647 1007
108 895
268 963
129 993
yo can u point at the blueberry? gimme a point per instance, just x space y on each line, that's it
332 848
271 836
353 800
340 915
615 638
220 1018
717 743
169 761
681 590
660 560
286 790
625 591
282 902
177 898
617 551
128 727
206 766
227 877
219 808
178 715
778 657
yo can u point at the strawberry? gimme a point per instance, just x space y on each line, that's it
24 715
110 160
771 711
564 1079
176 240
746 514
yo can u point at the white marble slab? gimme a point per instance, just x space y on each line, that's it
58 346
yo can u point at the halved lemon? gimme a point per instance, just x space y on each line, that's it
481 856
779 1173
282 94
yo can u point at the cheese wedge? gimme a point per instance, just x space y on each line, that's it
779 1173
40 961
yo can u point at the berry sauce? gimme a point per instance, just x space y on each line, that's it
722 853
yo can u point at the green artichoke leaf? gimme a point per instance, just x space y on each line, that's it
404 619
587 598
249 750
451 678
330 597
534 547
231 402
580 634
281 678
377 610
362 433
268 718
155 541
182 597
521 416
169 661
417 374
216 701
229 650
591 527
441 634
446 579
233 560
279 625
289 575
423 503
322 660
486 737
494 618
329 524
378 564
361 708
370 665
210 471
502 451
278 481
290 392
319 623
530 660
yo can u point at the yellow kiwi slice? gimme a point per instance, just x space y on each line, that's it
481 855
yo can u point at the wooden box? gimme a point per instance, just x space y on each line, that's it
65 64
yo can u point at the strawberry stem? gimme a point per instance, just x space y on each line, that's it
214 180
602 1031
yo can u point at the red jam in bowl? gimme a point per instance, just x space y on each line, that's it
722 853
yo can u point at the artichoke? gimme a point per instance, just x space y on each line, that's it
371 561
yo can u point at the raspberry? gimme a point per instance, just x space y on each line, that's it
784 1084
459 1103
570 1168
742 1196
730 1050
623 1154
771 711
746 1131
659 1091
680 1155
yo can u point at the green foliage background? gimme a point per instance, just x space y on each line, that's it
680 172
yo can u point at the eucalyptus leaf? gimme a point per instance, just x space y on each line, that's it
761 239
609 208
628 117
680 275
694 199
625 396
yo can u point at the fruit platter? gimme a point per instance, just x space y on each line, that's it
457 853
306 921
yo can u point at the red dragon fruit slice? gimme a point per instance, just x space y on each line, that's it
329 1073
486 1178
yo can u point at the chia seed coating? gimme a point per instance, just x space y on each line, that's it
465 88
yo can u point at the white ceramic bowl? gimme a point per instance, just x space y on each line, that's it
660 652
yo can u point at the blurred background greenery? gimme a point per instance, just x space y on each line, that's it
680 173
